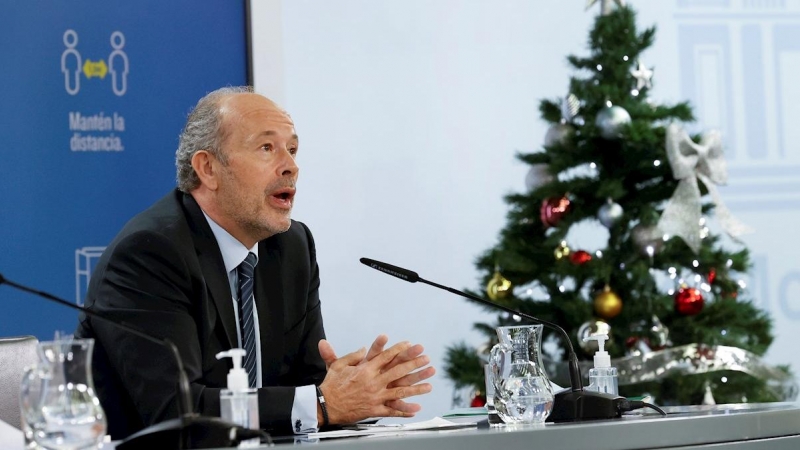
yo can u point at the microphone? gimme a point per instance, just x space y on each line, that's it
570 404
190 430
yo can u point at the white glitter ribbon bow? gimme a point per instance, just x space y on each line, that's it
691 161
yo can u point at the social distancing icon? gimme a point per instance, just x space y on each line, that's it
73 65
118 64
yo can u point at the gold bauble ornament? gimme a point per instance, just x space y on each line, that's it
499 287
607 304
562 251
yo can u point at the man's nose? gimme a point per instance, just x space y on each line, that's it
288 165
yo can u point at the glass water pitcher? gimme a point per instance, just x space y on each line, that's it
59 406
522 391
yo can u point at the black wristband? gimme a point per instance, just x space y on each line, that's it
323 407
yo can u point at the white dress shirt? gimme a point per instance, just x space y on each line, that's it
304 407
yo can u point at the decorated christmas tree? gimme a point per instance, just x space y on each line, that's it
664 287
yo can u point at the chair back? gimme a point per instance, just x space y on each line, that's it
16 353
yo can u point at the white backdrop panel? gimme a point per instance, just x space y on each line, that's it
410 113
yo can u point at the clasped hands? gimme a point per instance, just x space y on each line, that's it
373 383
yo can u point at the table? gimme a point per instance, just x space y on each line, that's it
739 426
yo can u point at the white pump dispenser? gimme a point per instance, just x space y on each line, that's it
602 377
237 377
239 402
601 358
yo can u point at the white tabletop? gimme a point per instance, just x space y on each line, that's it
739 426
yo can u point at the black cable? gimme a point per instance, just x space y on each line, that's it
654 407
624 405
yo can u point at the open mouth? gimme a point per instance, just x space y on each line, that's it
283 197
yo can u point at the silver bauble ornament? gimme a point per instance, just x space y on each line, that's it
594 326
610 121
537 176
610 213
650 334
659 334
648 239
557 134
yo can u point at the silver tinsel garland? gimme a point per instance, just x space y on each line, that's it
691 359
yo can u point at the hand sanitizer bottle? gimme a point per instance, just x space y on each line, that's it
239 402
602 377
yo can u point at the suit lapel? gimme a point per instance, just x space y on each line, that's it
269 300
213 267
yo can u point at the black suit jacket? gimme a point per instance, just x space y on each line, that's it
164 274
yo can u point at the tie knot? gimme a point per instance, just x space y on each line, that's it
248 265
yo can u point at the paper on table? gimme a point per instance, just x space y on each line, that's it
10 435
437 423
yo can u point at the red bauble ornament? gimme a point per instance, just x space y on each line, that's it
553 210
580 257
477 401
712 275
688 301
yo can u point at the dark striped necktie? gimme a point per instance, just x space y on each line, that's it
246 319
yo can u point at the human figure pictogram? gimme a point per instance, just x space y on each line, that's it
71 63
118 64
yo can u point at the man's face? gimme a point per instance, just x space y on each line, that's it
257 186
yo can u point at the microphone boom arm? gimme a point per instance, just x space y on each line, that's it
185 402
576 383
568 405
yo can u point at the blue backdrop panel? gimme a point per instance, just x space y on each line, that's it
93 95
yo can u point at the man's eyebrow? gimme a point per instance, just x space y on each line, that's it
272 133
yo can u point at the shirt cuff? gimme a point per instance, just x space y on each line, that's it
304 410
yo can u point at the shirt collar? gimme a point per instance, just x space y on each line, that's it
233 251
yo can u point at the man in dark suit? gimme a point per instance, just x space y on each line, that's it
217 264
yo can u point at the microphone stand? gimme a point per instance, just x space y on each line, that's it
569 405
188 431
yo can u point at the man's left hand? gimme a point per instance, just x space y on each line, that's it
412 378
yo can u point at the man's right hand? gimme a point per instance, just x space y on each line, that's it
360 386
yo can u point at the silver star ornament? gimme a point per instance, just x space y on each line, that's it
606 6
643 76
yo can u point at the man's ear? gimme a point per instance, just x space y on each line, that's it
205 166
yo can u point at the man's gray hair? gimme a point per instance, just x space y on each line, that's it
203 131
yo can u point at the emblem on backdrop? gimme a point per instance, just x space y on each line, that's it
85 260
114 68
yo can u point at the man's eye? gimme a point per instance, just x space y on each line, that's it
293 151
267 147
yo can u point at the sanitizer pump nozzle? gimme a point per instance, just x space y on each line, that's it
601 358
239 402
602 377
237 377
